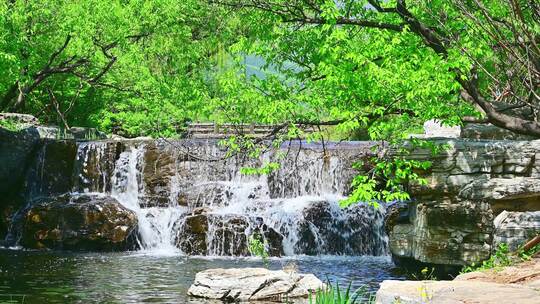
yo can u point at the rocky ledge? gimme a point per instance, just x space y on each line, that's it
84 222
253 284
452 220
513 285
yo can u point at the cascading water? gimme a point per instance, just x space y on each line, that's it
188 204
156 225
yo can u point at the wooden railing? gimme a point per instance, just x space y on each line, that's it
213 130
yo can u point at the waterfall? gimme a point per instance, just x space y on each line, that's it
203 205
156 225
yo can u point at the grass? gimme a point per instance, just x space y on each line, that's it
502 258
335 295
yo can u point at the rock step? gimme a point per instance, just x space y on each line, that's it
454 292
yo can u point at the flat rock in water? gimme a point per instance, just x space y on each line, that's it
454 292
252 284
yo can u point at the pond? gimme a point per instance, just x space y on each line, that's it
138 277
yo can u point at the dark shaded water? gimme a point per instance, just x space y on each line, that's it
60 277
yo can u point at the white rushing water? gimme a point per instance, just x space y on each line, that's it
156 225
297 207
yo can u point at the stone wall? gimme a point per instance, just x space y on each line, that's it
451 219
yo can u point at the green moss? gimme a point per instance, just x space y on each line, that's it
10 125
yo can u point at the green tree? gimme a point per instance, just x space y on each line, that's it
133 67
388 64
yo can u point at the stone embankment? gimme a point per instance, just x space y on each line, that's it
479 193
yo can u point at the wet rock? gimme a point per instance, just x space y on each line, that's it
200 210
252 284
356 230
17 151
454 292
515 228
95 165
191 237
216 234
444 233
84 222
51 172
158 170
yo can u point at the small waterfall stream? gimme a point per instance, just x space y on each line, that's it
296 209
156 225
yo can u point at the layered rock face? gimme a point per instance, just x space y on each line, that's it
83 222
451 220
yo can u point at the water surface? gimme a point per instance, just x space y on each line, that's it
135 277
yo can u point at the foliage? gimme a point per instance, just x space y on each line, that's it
527 255
374 68
386 182
334 295
385 67
9 125
265 169
129 67
257 248
502 258
391 65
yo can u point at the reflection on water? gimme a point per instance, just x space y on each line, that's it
60 277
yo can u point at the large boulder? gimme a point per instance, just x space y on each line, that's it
253 284
82 222
444 233
19 119
327 228
204 233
